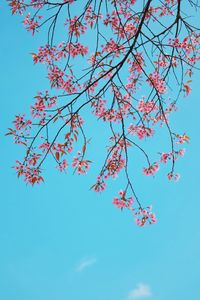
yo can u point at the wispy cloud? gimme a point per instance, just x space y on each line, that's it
85 263
141 291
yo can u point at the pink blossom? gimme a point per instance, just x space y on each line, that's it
62 165
147 107
113 48
37 3
31 174
122 201
182 139
165 157
150 171
181 152
100 185
141 131
174 177
31 24
114 164
17 6
76 27
157 82
144 216
80 165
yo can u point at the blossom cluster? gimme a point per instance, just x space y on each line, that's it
115 62
141 215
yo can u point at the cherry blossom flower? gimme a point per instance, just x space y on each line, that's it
141 131
62 165
174 177
80 165
100 185
124 76
122 201
144 216
150 171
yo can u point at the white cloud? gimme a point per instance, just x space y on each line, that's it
141 291
85 263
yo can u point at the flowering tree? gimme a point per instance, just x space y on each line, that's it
138 62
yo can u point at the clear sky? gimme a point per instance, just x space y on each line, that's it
61 241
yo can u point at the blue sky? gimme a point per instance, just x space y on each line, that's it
62 241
